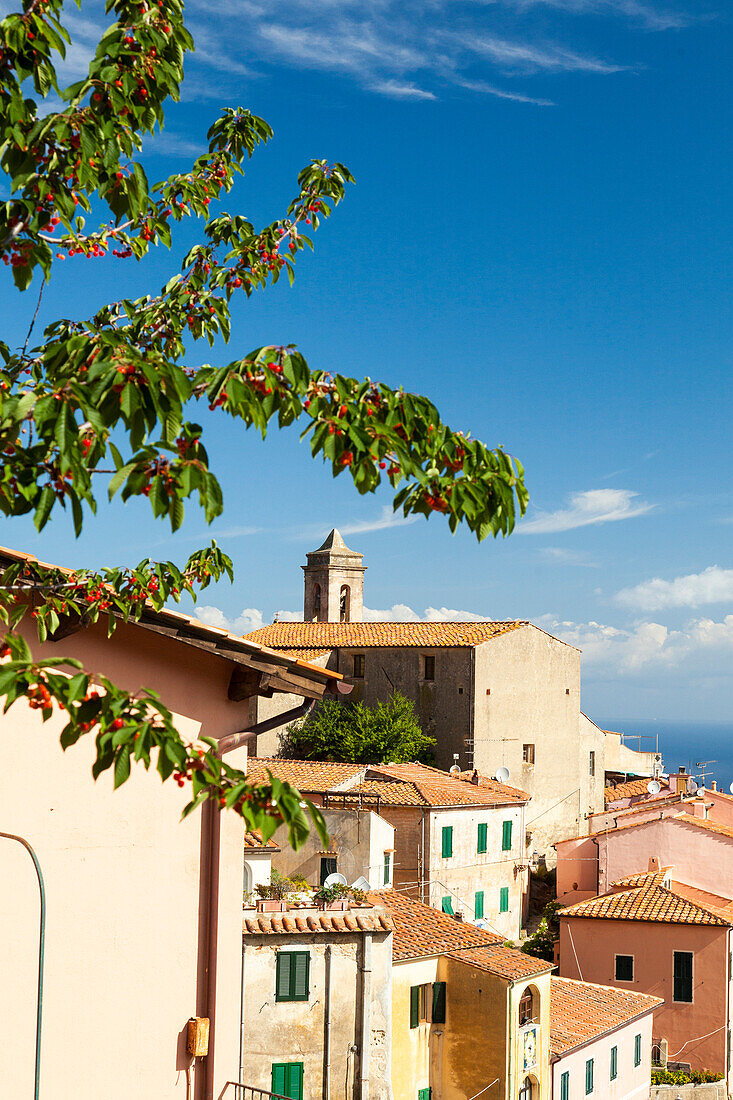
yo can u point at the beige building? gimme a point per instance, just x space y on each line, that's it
317 996
457 844
493 694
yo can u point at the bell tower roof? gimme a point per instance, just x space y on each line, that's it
334 582
334 544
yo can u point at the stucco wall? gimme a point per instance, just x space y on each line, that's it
631 1083
414 1050
540 1072
358 840
294 1031
474 1047
124 937
587 951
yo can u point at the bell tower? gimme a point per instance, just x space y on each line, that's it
334 583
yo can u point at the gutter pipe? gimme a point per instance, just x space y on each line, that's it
326 1029
366 995
41 952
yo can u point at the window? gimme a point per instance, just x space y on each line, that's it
637 1050
428 667
528 754
447 905
345 604
287 1079
291 977
525 1093
418 1005
387 867
424 1094
447 841
614 1063
589 1077
328 867
683 976
439 1002
592 764
482 842
565 1086
504 899
506 836
358 666
624 968
526 1008
317 601
478 905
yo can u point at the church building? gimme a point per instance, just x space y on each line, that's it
492 694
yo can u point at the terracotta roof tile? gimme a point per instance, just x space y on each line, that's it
635 788
439 788
475 778
253 839
646 903
300 922
683 817
306 775
645 878
581 1012
506 962
422 931
363 635
722 907
392 792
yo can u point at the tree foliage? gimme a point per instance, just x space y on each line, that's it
104 401
355 733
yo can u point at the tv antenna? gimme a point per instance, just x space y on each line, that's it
704 766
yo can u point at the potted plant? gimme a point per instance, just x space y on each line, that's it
334 897
273 895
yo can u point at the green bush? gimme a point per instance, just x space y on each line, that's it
358 734
678 1077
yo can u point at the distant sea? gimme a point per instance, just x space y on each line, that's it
685 743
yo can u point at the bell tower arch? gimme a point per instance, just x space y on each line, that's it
334 583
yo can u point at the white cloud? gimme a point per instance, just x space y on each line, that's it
249 619
396 90
401 613
387 519
713 585
525 57
560 555
587 508
500 93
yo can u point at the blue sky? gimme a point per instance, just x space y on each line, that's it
540 239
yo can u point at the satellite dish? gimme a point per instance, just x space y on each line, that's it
335 879
701 792
692 787
502 775
454 769
654 786
361 884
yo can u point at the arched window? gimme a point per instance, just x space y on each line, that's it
248 885
526 1008
344 604
317 601
525 1093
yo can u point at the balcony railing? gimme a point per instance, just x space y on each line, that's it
237 1090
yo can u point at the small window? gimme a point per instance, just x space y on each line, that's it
506 836
589 1077
482 842
637 1050
291 976
683 976
447 841
317 601
418 1005
345 604
478 905
428 667
439 1002
358 666
565 1086
287 1079
614 1063
328 867
528 754
592 764
624 968
387 867
504 899
526 1008
447 905
525 1093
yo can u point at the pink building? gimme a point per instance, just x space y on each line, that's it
144 911
651 934
600 1041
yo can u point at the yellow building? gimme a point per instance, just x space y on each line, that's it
470 1017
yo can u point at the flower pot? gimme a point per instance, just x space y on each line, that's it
334 906
271 905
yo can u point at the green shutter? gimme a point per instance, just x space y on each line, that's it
478 905
504 899
282 978
683 976
424 1094
565 1086
287 1079
447 841
414 1005
482 843
589 1077
447 905
637 1050
438 1016
300 968
506 836
614 1063
279 1070
386 868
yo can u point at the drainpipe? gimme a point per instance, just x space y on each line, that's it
510 1058
422 860
241 1021
327 1029
366 1003
211 843
41 952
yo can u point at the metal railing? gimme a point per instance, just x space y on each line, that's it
346 800
250 1092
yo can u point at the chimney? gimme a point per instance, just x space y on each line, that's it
475 778
680 780
713 785
653 863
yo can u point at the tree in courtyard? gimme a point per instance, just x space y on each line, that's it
105 400
358 734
